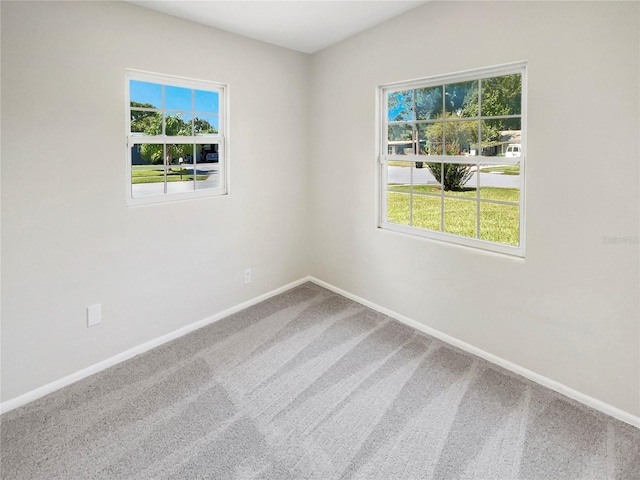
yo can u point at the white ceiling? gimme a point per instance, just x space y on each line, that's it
306 26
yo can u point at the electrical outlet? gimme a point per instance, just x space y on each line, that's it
247 276
94 315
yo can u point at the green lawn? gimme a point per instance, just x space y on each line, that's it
498 223
504 169
400 163
157 176
487 193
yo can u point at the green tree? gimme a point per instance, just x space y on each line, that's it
141 120
459 136
201 126
400 106
174 126
150 123
461 99
500 96
452 176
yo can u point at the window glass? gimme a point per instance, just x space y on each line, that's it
453 158
400 106
145 122
399 208
401 139
206 102
502 95
145 94
204 124
430 137
460 217
168 120
177 98
500 223
461 99
426 212
428 103
460 137
178 124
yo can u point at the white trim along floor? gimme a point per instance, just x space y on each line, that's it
528 374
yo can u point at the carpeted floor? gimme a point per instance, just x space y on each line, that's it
309 384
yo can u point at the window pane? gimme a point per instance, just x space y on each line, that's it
206 102
179 171
426 212
206 124
400 139
208 176
149 175
400 106
500 182
145 123
399 175
461 99
457 179
145 94
176 154
428 103
500 223
460 180
147 181
180 179
461 138
424 180
147 154
189 156
398 205
430 138
447 158
499 134
502 95
460 217
208 153
177 98
178 124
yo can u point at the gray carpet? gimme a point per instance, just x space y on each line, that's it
309 384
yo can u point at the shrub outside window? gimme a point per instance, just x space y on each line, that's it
175 138
452 157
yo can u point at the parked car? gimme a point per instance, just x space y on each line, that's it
212 157
513 150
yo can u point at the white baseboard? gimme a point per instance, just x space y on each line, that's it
132 352
528 374
137 350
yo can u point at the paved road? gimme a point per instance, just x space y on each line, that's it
422 176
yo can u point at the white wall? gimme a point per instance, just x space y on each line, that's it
570 310
69 241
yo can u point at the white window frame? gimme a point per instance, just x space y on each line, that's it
221 138
383 157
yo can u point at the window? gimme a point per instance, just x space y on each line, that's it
452 161
175 138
